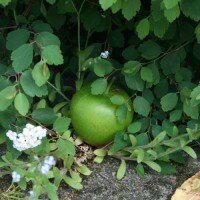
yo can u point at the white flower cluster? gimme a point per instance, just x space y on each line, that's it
30 137
31 193
48 163
15 177
105 54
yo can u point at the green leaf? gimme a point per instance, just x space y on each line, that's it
17 38
65 147
98 159
170 64
99 86
134 82
117 99
175 115
5 2
143 28
149 50
134 127
72 183
153 165
130 8
170 3
51 1
45 39
116 6
53 55
84 170
191 111
133 140
39 26
61 124
190 152
169 101
191 9
122 170
140 170
146 74
140 155
106 4
100 152
51 191
44 115
29 86
130 53
6 97
172 14
40 73
102 67
131 67
22 57
21 103
141 106
121 113
197 32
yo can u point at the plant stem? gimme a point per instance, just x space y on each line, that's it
15 17
58 91
110 84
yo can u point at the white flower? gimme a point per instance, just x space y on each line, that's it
16 177
31 193
30 137
47 164
11 135
105 54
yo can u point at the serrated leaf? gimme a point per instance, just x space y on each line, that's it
29 86
6 97
117 99
61 124
134 82
153 165
102 67
45 39
175 115
172 13
17 38
191 9
170 3
105 4
131 67
149 50
134 127
53 55
143 28
121 113
141 106
191 111
190 151
99 86
146 74
169 101
122 170
40 73
170 64
130 8
21 104
22 57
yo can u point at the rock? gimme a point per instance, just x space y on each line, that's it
102 184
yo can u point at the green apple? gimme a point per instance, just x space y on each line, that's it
94 116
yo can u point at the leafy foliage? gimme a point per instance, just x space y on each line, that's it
49 49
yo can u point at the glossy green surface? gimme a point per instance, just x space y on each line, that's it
93 116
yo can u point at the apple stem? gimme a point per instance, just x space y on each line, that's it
109 85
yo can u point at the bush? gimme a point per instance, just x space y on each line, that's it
49 49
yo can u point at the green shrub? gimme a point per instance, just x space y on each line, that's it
49 49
